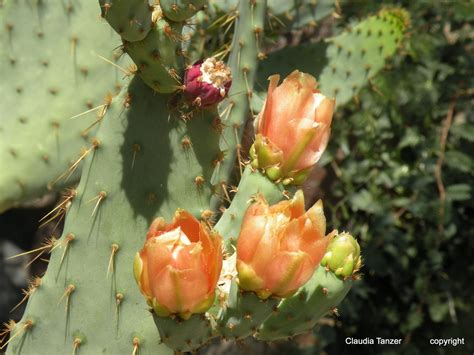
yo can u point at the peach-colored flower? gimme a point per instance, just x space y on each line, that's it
293 127
178 268
280 246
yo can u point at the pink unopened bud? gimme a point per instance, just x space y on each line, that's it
178 268
207 82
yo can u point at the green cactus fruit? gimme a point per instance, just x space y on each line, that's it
148 163
156 57
351 59
131 19
343 255
299 313
51 71
184 335
181 10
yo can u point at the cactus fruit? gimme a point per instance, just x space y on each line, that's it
51 72
207 82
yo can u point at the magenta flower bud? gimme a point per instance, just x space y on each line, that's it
207 82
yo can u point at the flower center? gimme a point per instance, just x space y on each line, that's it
216 73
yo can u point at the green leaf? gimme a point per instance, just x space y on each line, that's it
459 192
459 161
465 131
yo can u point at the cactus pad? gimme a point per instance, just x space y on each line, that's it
145 165
51 71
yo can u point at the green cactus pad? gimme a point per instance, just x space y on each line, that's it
359 54
351 59
243 313
131 19
246 48
296 14
285 14
184 335
299 313
181 10
145 166
51 71
157 57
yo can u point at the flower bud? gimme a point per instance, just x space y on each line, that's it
343 255
207 82
293 128
178 268
280 246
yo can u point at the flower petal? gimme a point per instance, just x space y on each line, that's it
287 272
179 290
266 114
188 224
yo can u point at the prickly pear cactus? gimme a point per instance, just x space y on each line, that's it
51 71
352 58
157 153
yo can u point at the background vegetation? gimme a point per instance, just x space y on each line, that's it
401 177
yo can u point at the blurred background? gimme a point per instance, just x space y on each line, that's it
398 174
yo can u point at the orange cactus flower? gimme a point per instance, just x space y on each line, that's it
293 128
179 266
280 246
